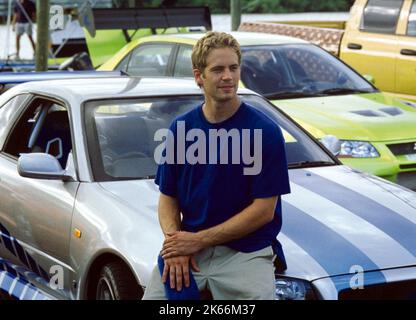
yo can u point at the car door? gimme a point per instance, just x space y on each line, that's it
37 213
370 47
406 56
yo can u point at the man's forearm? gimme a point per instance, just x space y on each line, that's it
169 214
255 216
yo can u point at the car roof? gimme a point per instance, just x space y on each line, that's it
112 87
244 38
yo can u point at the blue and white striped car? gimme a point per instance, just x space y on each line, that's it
90 231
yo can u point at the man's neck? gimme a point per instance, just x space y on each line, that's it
216 112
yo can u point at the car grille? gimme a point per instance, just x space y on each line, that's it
403 290
407 179
402 148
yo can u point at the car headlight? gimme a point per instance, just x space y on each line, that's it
357 149
293 289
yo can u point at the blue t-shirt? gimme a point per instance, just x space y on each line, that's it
212 192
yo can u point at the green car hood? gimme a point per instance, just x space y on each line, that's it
366 117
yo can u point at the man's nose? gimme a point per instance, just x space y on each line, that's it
226 74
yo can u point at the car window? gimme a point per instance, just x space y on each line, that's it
291 71
381 16
8 112
121 133
149 60
183 65
122 66
411 25
43 127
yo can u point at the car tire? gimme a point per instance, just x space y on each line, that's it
116 282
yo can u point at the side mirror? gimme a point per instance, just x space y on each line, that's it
369 78
332 143
41 166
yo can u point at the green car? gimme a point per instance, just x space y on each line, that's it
365 128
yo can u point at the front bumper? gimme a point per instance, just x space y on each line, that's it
382 284
398 168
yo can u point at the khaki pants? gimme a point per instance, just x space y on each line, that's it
228 274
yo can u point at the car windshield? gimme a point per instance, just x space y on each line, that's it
296 71
121 134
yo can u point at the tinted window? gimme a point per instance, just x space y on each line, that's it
411 26
43 127
293 71
149 60
381 16
7 113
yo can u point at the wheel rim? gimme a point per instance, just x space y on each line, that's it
104 290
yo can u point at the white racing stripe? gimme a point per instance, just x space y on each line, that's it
383 250
361 184
299 262
2 276
23 292
13 286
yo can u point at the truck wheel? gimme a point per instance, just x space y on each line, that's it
116 282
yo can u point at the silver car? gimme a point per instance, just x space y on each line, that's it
78 204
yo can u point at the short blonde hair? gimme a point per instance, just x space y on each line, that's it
213 40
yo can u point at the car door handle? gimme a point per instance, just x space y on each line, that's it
354 46
408 52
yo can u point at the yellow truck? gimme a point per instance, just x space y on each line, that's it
379 40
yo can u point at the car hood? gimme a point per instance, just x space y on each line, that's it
335 218
366 117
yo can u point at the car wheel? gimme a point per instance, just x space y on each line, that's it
116 282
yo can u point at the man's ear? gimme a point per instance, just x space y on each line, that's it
198 75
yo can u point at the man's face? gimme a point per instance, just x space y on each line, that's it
221 76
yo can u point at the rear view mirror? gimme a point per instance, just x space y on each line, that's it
41 166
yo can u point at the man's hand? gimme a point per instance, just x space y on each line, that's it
178 270
181 243
13 28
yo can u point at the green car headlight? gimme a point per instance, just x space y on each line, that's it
357 149
293 289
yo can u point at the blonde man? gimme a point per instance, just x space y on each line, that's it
230 218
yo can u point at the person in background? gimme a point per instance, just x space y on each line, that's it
23 18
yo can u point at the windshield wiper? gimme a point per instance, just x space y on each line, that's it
290 95
309 164
343 90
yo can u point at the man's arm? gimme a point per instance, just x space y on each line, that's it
253 217
176 267
14 21
169 214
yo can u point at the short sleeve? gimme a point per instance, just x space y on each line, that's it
273 179
166 176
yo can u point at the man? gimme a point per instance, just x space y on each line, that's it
24 15
230 217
